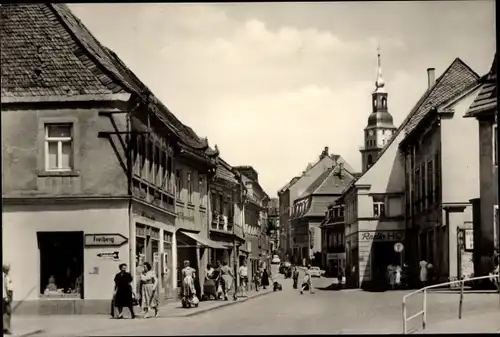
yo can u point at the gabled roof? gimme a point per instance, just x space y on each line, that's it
223 171
47 51
486 100
452 82
329 182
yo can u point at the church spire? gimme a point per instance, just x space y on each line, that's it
379 83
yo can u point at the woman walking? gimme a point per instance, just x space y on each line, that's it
188 275
123 296
265 279
227 277
149 284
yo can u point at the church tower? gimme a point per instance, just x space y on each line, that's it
380 126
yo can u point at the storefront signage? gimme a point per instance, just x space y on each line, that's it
469 239
105 240
381 236
109 255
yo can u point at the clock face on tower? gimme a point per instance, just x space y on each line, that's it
370 132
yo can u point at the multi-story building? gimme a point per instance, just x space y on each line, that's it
485 209
273 224
333 239
309 211
376 203
296 187
438 210
255 219
101 174
226 215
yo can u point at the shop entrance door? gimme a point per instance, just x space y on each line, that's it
383 255
61 263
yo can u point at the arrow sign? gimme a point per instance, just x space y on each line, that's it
105 240
112 255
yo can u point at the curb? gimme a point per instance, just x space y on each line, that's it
457 292
226 304
30 333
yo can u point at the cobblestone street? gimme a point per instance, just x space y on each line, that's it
288 312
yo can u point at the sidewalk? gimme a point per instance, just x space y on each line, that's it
479 323
73 325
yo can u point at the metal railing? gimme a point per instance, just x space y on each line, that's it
423 312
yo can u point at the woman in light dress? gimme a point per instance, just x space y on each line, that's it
423 272
227 277
149 295
391 275
188 275
398 271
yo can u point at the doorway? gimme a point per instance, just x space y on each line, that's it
383 255
61 263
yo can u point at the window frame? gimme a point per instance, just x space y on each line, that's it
178 183
74 171
377 209
189 178
59 141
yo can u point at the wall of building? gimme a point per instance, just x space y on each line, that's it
24 151
19 243
459 154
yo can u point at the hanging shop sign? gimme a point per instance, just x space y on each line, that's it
105 240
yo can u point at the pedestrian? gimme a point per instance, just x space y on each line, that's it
123 295
307 282
218 280
265 279
391 276
398 271
8 294
227 277
149 291
423 273
340 276
295 276
243 273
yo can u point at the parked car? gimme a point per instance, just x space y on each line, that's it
275 260
316 272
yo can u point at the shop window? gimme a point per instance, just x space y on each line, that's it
61 263
178 183
58 147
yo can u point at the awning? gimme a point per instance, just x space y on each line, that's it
203 242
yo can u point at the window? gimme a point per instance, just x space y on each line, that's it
424 185
437 178
201 188
190 187
370 160
378 209
430 185
58 147
494 145
495 226
384 102
417 190
178 183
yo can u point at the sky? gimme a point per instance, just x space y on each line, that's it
272 84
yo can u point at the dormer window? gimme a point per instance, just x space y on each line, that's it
378 209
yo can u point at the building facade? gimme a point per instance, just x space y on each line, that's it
308 214
295 188
226 216
273 225
72 221
333 239
255 220
438 210
485 209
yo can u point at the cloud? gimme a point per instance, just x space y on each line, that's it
271 96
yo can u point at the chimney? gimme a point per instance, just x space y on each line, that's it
431 77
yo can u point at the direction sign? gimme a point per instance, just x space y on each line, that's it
110 255
105 240
398 247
